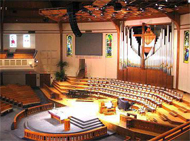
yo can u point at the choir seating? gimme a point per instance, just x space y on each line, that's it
5 107
20 95
3 55
148 96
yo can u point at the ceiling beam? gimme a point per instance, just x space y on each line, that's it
175 17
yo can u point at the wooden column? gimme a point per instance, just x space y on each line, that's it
2 18
175 17
117 26
178 56
143 45
61 42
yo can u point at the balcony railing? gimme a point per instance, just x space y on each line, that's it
17 64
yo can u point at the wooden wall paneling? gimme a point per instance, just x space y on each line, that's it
159 78
164 77
134 74
31 80
169 82
44 79
125 75
120 74
143 78
150 77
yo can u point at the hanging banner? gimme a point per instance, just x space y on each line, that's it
186 47
13 40
109 42
69 45
26 40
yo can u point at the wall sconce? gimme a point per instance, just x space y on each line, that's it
35 63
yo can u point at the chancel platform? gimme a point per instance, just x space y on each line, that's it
42 122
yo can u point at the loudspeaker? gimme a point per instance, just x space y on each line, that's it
71 10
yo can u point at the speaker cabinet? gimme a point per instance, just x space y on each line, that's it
71 10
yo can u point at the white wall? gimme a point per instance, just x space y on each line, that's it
184 69
47 43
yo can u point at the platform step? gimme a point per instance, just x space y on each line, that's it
183 109
173 113
87 127
86 121
85 124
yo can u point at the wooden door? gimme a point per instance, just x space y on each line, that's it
44 79
31 80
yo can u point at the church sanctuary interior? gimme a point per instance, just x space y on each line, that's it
106 70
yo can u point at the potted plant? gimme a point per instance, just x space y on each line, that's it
60 75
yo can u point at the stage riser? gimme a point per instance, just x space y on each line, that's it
89 124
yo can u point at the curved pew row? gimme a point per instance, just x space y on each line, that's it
19 95
149 96
5 107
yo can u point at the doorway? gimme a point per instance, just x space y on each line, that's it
44 79
31 80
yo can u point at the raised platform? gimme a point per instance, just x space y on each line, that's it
43 123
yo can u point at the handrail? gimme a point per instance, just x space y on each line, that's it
66 137
173 132
30 111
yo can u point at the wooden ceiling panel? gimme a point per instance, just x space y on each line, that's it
93 10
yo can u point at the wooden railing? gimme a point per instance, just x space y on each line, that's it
30 111
144 125
173 133
87 135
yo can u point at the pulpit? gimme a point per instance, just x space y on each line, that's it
67 124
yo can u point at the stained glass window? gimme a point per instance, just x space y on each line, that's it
26 40
109 43
186 46
13 40
69 45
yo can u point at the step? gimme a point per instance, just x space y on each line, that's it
183 109
87 127
173 113
86 121
62 91
62 87
85 124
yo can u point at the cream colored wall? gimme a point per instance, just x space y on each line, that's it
47 43
184 69
97 66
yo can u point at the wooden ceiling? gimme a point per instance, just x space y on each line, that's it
46 11
105 10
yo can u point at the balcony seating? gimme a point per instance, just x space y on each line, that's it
3 55
24 54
